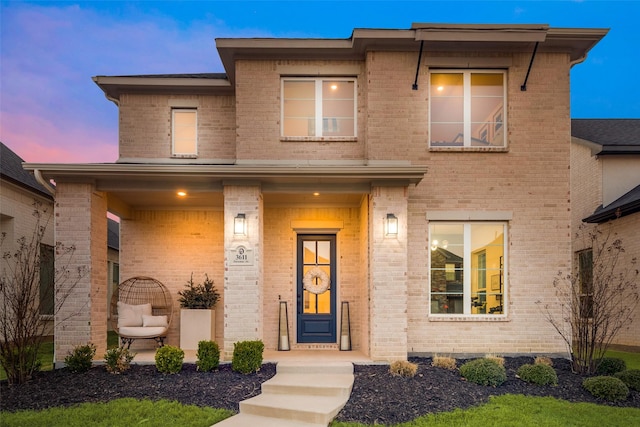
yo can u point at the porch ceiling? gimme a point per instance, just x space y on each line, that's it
153 186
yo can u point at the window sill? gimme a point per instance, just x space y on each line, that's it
470 149
184 156
468 318
319 139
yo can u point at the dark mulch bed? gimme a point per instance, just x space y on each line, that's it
377 396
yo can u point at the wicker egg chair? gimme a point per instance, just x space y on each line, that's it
138 292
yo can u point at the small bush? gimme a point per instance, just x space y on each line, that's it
444 362
631 378
484 372
542 360
538 374
403 368
247 356
498 359
169 359
117 360
610 366
80 358
208 356
607 388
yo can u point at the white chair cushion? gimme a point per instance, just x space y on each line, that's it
142 332
131 315
150 321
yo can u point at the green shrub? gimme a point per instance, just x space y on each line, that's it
610 365
117 360
247 356
403 368
208 356
80 358
444 362
540 374
169 359
631 378
484 372
607 388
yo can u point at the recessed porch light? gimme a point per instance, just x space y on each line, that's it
182 193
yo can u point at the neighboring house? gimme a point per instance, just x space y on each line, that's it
421 175
605 189
20 196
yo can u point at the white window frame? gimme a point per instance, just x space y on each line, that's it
467 271
467 105
175 153
318 105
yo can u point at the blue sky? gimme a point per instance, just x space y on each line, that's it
51 111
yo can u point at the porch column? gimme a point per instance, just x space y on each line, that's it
388 275
243 279
81 276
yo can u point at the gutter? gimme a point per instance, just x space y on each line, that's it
43 182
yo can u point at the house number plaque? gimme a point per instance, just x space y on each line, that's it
241 255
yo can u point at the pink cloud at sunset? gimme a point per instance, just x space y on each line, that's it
38 140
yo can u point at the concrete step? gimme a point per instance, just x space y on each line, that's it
310 384
247 420
306 408
299 367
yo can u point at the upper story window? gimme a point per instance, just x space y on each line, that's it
184 131
467 108
319 107
467 267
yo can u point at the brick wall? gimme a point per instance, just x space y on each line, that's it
281 261
258 113
388 275
169 246
145 126
80 222
243 284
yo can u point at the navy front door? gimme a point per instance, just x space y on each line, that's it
316 308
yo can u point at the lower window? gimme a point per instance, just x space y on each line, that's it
467 267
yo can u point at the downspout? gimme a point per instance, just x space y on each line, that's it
43 182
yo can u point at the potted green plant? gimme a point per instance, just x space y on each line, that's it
197 313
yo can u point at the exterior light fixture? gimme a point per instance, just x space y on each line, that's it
391 225
240 225
182 193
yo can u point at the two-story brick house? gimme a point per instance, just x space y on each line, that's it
421 175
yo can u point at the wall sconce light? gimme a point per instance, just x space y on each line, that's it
391 225
240 225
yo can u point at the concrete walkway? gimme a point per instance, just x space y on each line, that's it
301 394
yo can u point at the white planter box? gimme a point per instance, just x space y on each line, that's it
196 325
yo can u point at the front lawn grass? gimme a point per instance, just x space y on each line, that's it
631 359
120 412
526 411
